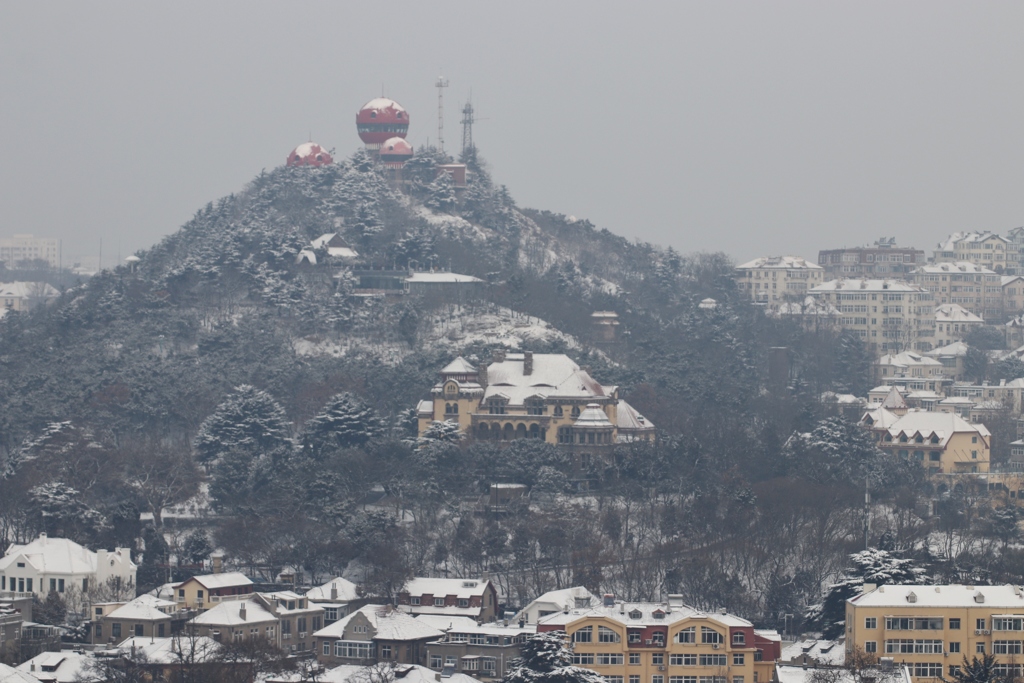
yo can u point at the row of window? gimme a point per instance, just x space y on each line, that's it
657 659
438 602
708 636
658 678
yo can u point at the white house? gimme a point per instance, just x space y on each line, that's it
58 564
335 597
576 597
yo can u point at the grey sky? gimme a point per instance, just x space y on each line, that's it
752 128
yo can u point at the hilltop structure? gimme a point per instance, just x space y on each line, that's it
380 120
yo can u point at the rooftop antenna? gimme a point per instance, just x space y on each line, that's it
441 84
467 124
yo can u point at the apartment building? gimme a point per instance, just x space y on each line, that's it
773 280
889 315
882 259
932 628
941 442
285 619
907 364
480 650
985 249
473 598
1013 294
19 248
634 642
953 322
205 591
977 288
375 633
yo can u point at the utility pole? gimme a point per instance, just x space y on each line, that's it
441 84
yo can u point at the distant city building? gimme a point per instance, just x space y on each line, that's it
941 442
24 296
985 249
473 598
18 248
976 288
1013 294
881 259
773 280
57 565
953 322
889 315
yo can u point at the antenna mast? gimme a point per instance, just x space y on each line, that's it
467 126
441 84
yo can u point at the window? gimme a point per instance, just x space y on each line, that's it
905 646
658 658
463 602
928 669
870 646
687 635
713 660
385 651
181 593
954 670
738 659
609 658
438 602
584 635
435 661
954 647
738 638
737 679
634 636
60 585
414 601
582 658
286 628
710 635
657 678
1006 647
1007 624
979 624
115 629
353 649
634 658
606 635
980 648
634 679
712 679
99 631
954 624
658 637
53 585
199 596
870 622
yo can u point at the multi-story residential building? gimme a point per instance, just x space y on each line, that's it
284 618
473 598
576 597
57 564
933 628
985 249
883 259
773 280
1008 394
375 633
666 643
205 591
1013 294
480 650
907 364
953 322
952 358
145 616
1015 251
976 288
534 396
942 442
336 597
889 315
19 248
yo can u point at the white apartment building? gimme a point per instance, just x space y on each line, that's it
953 322
19 248
772 280
889 315
985 249
977 288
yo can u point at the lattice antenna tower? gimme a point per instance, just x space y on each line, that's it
441 84
467 125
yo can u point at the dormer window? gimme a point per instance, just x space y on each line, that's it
658 614
496 405
414 601
535 406
635 614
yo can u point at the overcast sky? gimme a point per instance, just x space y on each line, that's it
752 128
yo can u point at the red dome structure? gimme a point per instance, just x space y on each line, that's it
309 154
395 152
381 119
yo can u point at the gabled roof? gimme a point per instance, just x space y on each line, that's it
627 417
955 349
11 675
460 588
894 401
459 366
880 418
906 359
955 267
143 608
927 424
347 591
229 613
955 313
225 580
62 667
52 556
1007 597
169 650
783 262
387 623
554 374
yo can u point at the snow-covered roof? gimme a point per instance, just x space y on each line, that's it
387 624
143 608
347 591
628 417
455 624
1008 279
785 262
955 313
61 667
225 580
831 652
955 349
553 375
53 556
406 673
171 650
867 285
791 673
425 407
927 424
955 267
339 249
21 290
229 613
441 278
565 598
894 400
9 674
593 417
459 588
907 359
810 306
880 418
624 613
459 366
1006 597
383 103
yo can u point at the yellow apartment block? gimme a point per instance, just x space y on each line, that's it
932 628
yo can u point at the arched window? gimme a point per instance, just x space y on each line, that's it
520 431
483 432
558 411
509 432
575 411
534 431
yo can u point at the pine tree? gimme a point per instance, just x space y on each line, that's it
979 671
343 423
447 430
545 659
441 194
248 421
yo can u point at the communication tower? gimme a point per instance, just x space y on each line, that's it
441 84
467 126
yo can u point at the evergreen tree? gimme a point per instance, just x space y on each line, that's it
447 430
346 421
249 421
545 659
852 365
441 194
979 671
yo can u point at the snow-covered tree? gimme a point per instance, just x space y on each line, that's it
545 659
345 421
441 194
249 420
979 671
447 430
868 566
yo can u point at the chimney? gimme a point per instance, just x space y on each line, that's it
675 600
609 599
481 375
42 536
498 356
528 363
217 560
241 612
334 591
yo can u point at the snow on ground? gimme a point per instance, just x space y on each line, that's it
452 328
451 223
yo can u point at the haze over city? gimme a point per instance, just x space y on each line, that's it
749 128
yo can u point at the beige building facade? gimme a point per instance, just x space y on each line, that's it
985 249
977 288
18 248
889 315
773 280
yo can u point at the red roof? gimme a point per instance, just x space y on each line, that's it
309 154
395 151
381 119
